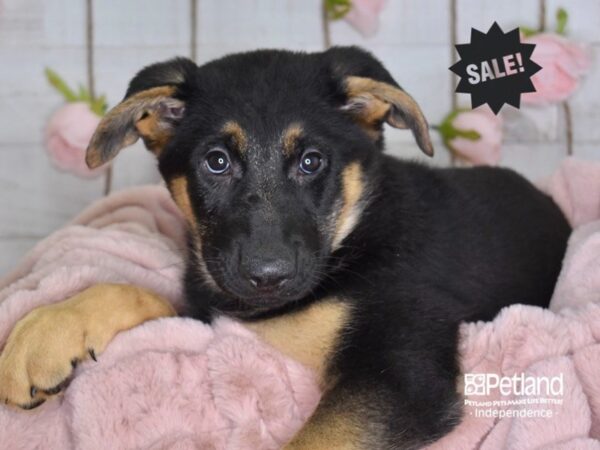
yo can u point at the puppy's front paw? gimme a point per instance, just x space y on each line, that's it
46 345
41 353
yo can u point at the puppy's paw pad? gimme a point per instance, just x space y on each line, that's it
40 355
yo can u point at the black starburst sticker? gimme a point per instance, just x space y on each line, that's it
495 68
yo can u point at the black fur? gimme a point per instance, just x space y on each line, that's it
432 248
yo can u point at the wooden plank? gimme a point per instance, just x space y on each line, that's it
33 36
402 23
30 30
584 18
481 14
31 23
583 27
141 23
26 99
226 26
524 158
135 166
38 199
587 151
585 104
410 151
63 22
533 160
21 23
533 124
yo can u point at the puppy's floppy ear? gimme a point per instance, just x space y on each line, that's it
154 103
372 96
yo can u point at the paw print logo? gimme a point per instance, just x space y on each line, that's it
475 384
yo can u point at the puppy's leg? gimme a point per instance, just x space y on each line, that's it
47 343
335 425
398 400
376 414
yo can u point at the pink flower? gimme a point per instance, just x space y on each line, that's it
563 63
364 15
68 134
484 150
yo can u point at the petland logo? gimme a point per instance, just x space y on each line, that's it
519 384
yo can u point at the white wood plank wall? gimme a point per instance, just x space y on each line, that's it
104 42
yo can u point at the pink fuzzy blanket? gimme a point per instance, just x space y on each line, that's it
175 383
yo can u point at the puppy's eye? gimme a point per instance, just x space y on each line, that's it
311 162
217 162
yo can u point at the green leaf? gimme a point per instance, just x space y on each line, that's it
60 85
99 106
84 94
527 31
471 135
561 20
448 131
337 9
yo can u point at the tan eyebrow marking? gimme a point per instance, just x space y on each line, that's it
237 133
290 138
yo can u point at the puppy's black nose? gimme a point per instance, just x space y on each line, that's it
270 275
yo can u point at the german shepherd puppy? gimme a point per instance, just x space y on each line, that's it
357 264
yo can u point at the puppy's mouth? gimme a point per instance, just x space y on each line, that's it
264 298
250 306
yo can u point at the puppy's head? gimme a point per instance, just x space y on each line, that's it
270 155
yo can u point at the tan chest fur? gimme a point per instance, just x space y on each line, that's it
309 336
